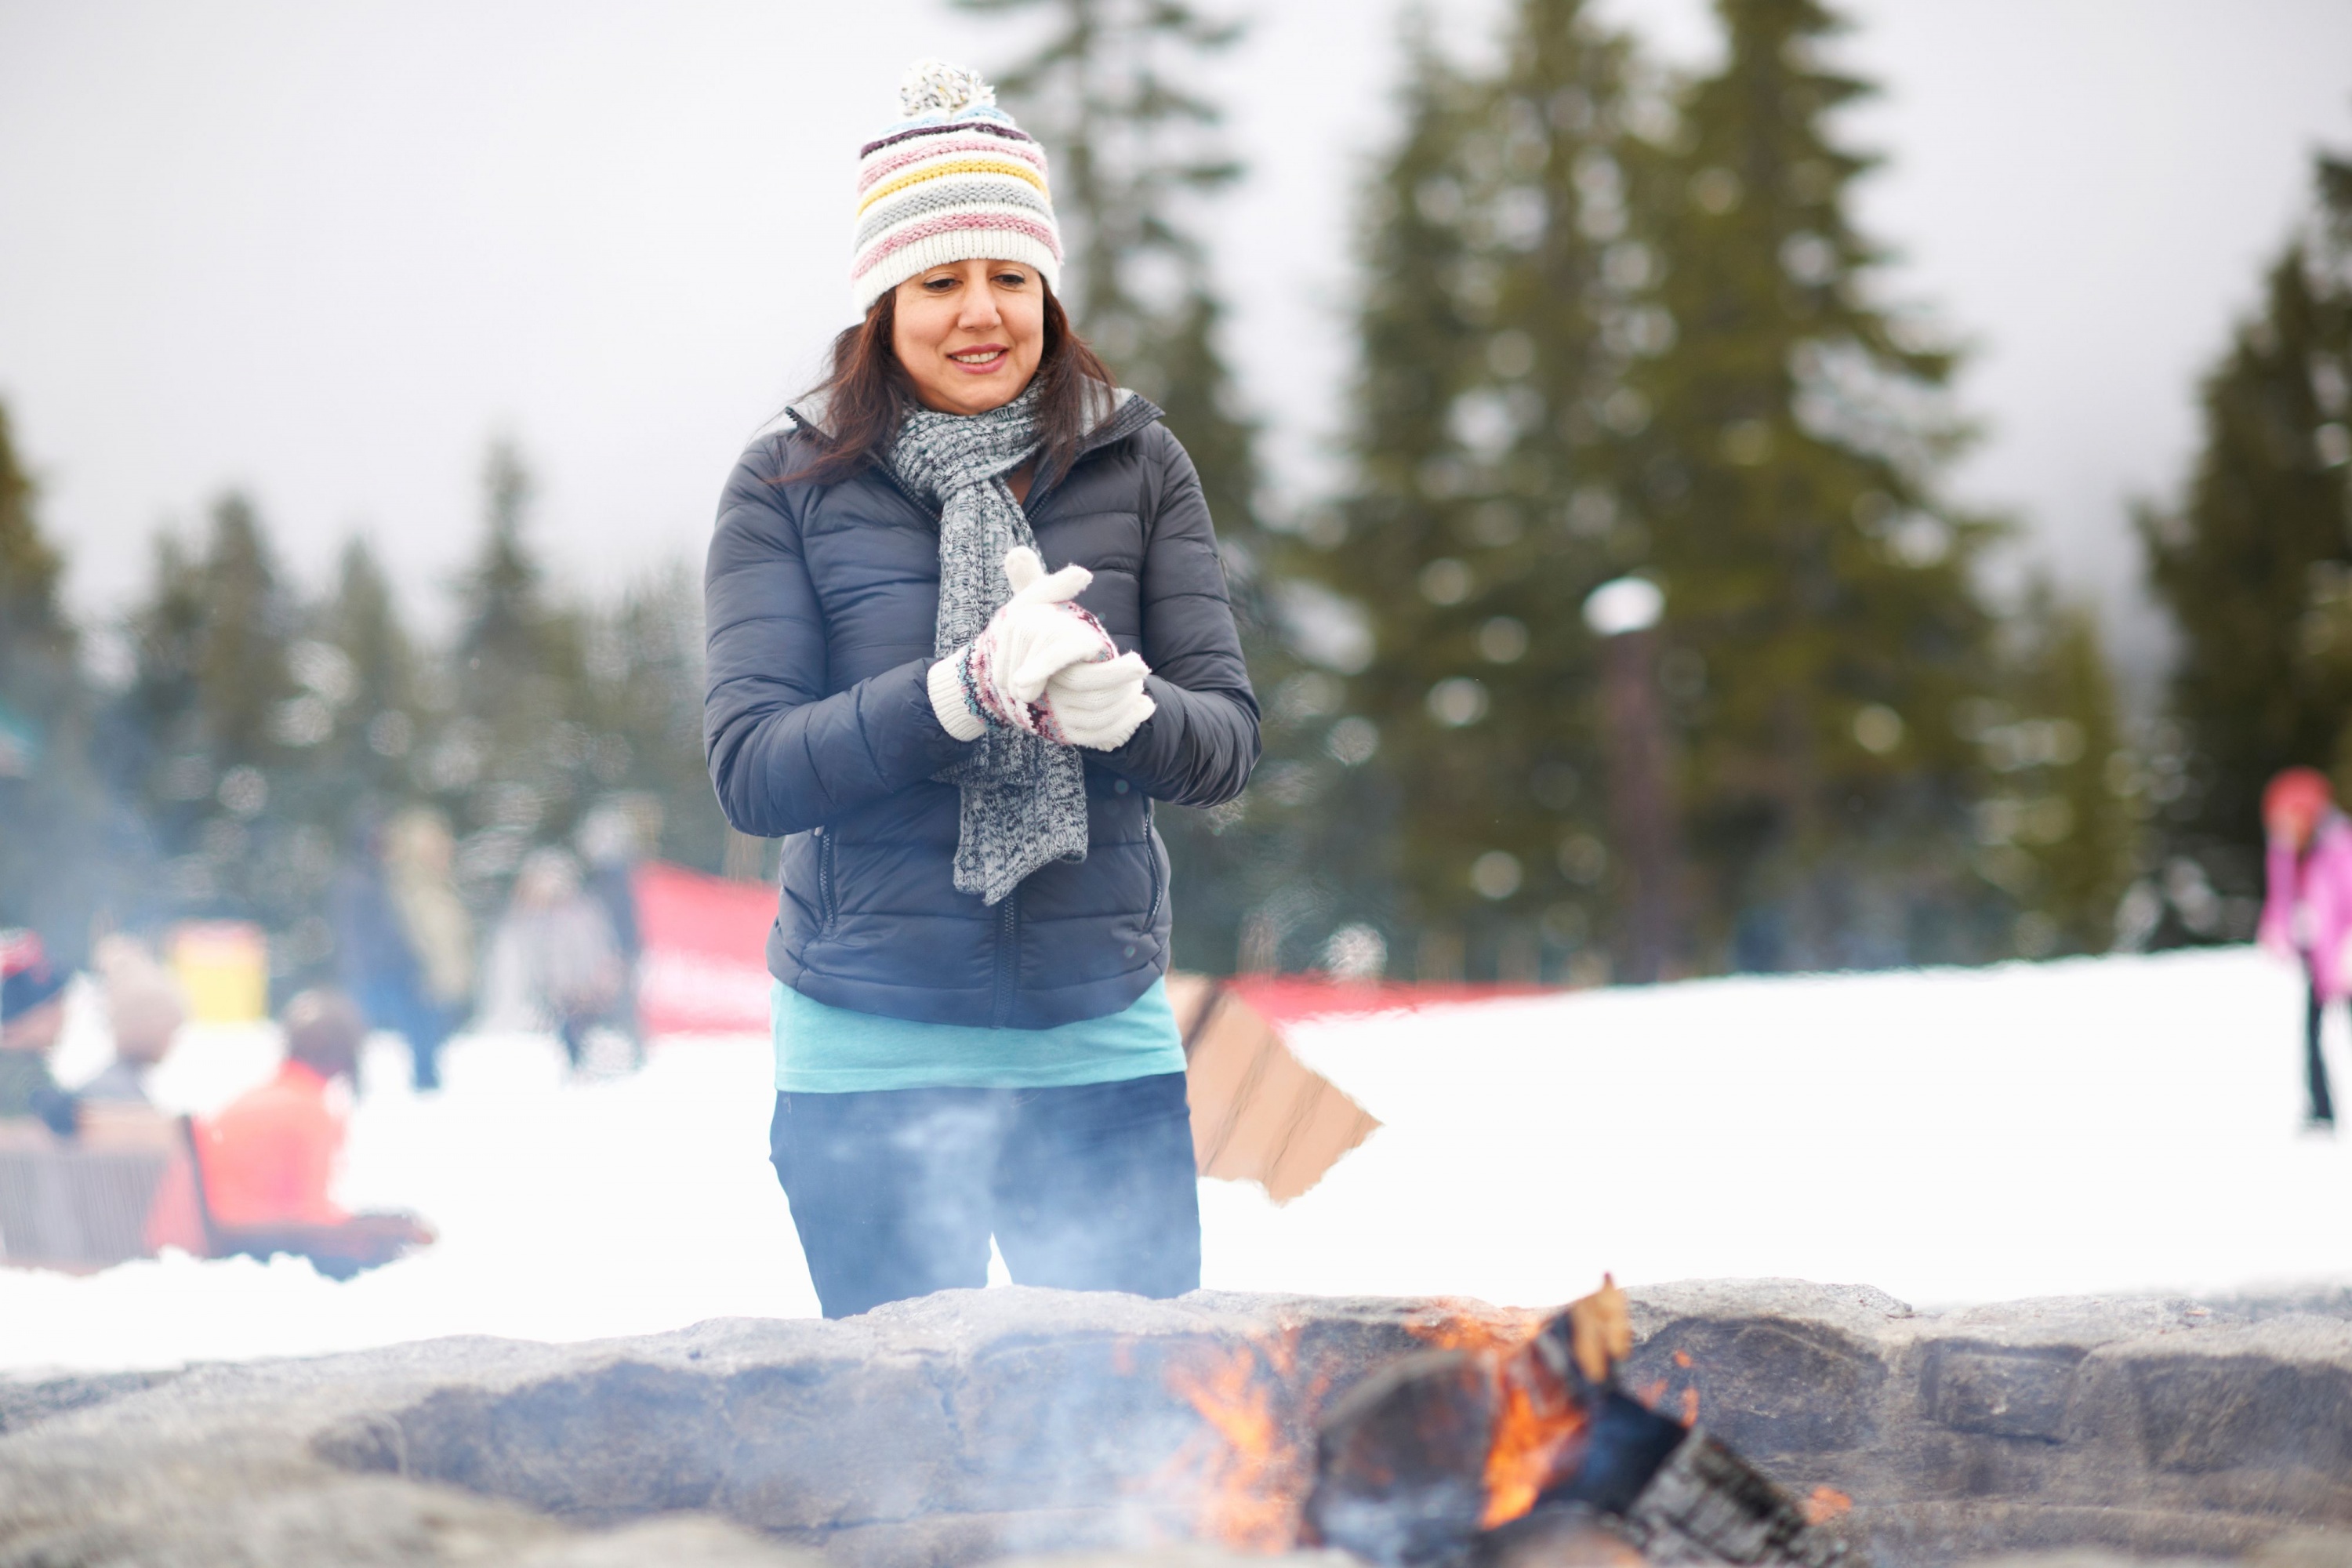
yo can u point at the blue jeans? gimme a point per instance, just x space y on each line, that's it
895 1192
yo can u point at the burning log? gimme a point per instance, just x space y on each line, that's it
1485 1459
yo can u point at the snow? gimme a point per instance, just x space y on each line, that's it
2126 1123
2093 1125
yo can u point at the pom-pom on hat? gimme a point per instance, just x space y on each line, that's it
952 179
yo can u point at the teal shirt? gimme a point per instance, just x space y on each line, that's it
832 1050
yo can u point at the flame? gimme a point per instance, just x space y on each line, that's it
1535 1435
1476 1326
1825 1504
1246 1471
1537 1420
1244 1476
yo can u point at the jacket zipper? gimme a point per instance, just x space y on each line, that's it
1007 948
824 878
1152 853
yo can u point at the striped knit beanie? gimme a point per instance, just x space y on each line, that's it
954 180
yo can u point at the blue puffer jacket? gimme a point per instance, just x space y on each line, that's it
818 728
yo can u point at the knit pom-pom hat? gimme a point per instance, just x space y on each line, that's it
953 179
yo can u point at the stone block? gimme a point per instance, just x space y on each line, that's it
1772 1386
608 1442
2270 1403
815 1446
1998 1390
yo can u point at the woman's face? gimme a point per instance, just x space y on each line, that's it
2293 826
970 333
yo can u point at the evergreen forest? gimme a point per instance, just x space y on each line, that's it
1644 639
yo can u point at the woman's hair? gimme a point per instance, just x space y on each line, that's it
870 394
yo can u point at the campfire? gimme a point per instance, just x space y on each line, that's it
1500 1446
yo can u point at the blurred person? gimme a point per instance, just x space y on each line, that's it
554 956
32 1017
410 949
610 843
269 1159
144 1011
2307 909
372 958
972 1034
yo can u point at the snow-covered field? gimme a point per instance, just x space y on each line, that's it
2108 1124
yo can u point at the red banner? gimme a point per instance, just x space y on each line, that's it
1288 998
704 970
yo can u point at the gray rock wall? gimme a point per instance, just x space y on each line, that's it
2142 1426
979 1424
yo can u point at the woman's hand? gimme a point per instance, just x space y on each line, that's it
1000 676
1100 705
1044 632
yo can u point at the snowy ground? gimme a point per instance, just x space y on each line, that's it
2123 1124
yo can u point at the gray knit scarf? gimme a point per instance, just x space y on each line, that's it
1024 798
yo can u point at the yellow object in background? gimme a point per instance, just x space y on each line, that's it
223 968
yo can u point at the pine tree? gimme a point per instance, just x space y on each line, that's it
242 674
645 710
514 762
360 708
2254 565
2054 829
54 868
204 743
1485 507
38 646
507 623
1819 594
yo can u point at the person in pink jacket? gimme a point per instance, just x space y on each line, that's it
2307 906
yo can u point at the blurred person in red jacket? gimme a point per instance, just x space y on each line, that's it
269 1158
2307 907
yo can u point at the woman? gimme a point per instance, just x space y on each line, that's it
2307 909
961 750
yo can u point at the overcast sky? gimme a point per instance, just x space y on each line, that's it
323 252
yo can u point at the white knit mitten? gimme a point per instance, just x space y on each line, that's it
999 677
1101 704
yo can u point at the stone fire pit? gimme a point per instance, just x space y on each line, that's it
979 1424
